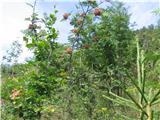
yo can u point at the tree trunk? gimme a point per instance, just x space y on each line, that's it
149 112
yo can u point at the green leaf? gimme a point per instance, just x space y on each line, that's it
121 102
52 16
136 103
154 57
105 14
155 98
30 45
28 19
29 5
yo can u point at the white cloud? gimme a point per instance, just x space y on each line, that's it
140 1
141 13
12 22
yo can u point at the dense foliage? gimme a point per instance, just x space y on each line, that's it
107 71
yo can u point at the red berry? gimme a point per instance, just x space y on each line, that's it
66 15
30 26
74 30
69 50
86 46
97 12
91 1
79 21
15 93
83 14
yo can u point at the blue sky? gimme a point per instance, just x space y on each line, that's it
13 12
